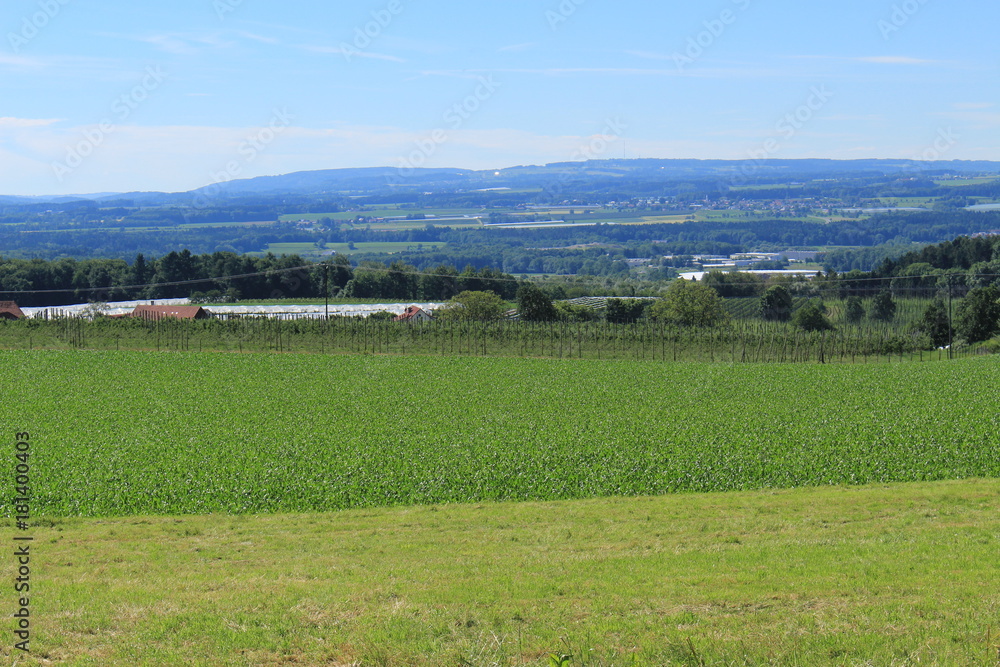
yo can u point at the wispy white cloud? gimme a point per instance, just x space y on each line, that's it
973 119
353 53
422 46
19 61
895 60
185 44
194 43
27 122
851 118
703 72
259 38
287 28
56 68
876 60
972 106
649 55
517 48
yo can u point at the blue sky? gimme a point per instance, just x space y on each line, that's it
115 96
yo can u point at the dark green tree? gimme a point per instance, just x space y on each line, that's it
883 307
533 304
854 309
369 281
401 281
139 275
174 267
439 284
978 316
340 272
776 304
934 323
689 304
734 283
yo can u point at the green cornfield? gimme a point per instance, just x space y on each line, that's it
133 433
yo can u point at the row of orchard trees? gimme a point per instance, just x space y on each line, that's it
973 318
225 276
737 341
935 321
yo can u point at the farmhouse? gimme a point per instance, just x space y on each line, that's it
414 314
175 312
10 311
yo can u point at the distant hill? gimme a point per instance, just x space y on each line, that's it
338 181
597 173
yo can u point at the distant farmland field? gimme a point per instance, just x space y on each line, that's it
387 246
126 433
310 249
383 212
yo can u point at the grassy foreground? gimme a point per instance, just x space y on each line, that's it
880 575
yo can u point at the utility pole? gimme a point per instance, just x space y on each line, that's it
326 291
949 315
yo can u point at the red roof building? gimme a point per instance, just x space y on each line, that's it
10 311
414 314
175 312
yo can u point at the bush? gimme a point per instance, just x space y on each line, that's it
625 311
480 306
811 318
575 312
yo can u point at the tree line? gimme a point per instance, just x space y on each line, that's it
226 276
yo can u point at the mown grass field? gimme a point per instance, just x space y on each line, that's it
957 182
126 433
883 575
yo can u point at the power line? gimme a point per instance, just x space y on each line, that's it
257 274
271 272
